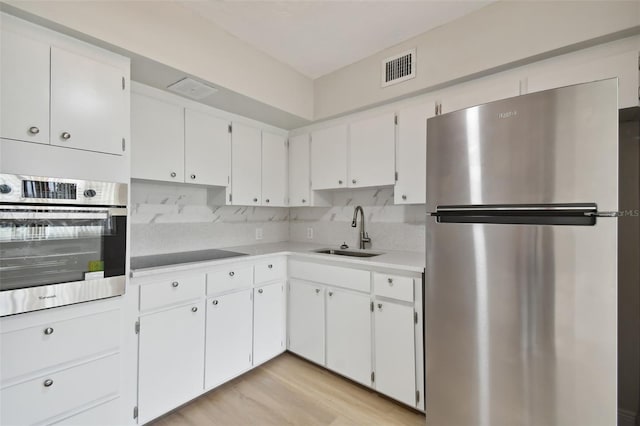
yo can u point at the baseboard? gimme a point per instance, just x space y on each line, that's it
626 418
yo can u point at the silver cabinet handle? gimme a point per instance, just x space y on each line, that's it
353 181
65 135
48 331
193 176
340 182
404 197
304 201
379 306
330 293
260 290
317 290
194 309
255 200
173 174
175 284
34 130
231 273
267 200
390 281
270 266
47 383
215 302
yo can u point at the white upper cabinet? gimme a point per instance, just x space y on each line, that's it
411 153
299 172
329 158
274 169
24 89
207 148
246 165
157 139
89 108
372 152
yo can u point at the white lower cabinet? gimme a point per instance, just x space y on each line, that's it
104 414
306 320
171 359
229 334
394 349
349 334
268 322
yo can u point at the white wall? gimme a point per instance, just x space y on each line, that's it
175 36
503 33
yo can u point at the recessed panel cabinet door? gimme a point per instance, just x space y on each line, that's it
229 328
268 322
207 149
306 320
157 139
299 171
246 165
349 335
372 152
89 108
274 170
411 152
395 351
24 89
329 158
171 359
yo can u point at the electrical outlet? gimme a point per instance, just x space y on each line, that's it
258 233
309 233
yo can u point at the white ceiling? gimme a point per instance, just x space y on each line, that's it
317 37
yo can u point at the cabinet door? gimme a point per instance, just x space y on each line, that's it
395 351
274 170
349 335
171 359
207 149
306 320
329 158
89 107
372 152
299 177
228 343
268 322
24 89
411 160
157 139
246 163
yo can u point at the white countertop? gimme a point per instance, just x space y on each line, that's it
410 261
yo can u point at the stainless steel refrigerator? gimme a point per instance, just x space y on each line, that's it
520 284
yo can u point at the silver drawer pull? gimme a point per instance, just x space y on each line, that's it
330 293
193 176
380 306
231 273
390 281
215 302
48 331
317 290
260 290
173 174
194 309
47 383
175 284
34 130
270 266
65 135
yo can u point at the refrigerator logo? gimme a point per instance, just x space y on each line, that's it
507 114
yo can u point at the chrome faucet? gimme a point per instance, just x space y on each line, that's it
364 237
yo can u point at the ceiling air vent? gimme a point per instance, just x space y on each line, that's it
399 68
192 89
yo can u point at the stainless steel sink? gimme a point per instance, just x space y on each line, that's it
347 253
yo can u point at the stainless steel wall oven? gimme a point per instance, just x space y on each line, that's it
62 241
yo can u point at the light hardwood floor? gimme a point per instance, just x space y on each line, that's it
291 391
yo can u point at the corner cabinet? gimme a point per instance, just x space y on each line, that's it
246 165
306 320
329 158
274 170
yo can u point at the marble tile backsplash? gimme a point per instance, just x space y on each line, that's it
390 227
174 217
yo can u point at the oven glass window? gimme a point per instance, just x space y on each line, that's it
41 247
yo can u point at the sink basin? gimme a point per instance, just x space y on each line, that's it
347 253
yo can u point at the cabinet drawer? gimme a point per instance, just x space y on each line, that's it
53 394
270 270
393 286
104 414
36 348
231 278
353 279
171 291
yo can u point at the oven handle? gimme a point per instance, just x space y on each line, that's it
69 214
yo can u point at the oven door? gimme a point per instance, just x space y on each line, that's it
58 255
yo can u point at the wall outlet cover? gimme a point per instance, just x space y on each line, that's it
310 233
258 233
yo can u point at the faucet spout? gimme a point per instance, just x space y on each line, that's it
364 237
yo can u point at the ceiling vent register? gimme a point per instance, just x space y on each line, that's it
399 68
191 88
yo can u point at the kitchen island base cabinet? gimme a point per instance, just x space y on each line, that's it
229 334
306 320
394 351
171 359
349 335
268 322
